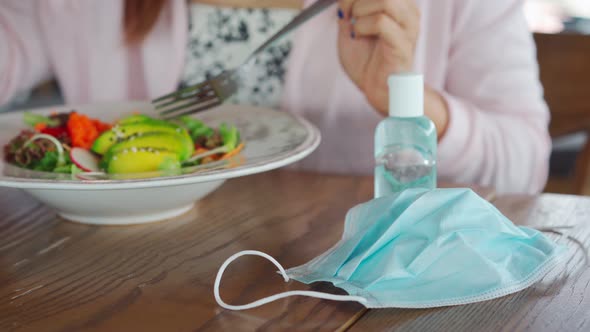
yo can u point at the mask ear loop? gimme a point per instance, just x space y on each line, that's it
564 231
275 297
554 229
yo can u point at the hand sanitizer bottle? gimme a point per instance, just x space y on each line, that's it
405 142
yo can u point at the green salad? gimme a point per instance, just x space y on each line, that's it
74 143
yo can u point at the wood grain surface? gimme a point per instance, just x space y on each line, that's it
560 302
62 276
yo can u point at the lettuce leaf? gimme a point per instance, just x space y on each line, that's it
230 136
32 120
196 128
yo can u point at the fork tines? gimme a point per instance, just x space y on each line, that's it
188 100
197 98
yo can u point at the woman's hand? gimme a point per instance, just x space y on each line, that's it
378 38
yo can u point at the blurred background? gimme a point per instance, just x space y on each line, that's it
562 34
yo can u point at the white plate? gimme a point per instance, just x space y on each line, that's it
273 139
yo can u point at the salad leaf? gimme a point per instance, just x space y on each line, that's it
68 169
230 136
48 163
203 131
231 139
191 123
196 128
32 120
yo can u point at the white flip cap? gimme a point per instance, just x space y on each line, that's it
406 95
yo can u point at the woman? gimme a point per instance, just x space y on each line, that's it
482 87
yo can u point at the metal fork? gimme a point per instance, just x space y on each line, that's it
213 92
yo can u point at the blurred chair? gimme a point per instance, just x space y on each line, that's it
564 61
43 95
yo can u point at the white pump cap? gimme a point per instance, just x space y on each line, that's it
406 95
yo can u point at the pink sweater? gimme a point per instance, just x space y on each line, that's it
478 54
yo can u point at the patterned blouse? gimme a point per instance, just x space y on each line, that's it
221 38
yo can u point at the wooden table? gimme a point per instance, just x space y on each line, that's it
62 276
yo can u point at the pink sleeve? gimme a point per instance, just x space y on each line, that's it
497 134
23 57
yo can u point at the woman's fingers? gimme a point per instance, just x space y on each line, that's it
345 8
383 26
402 11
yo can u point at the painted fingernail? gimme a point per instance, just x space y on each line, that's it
340 13
353 20
352 34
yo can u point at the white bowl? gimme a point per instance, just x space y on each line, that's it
273 139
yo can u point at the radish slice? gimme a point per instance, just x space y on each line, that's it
84 159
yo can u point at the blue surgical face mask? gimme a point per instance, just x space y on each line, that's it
421 249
